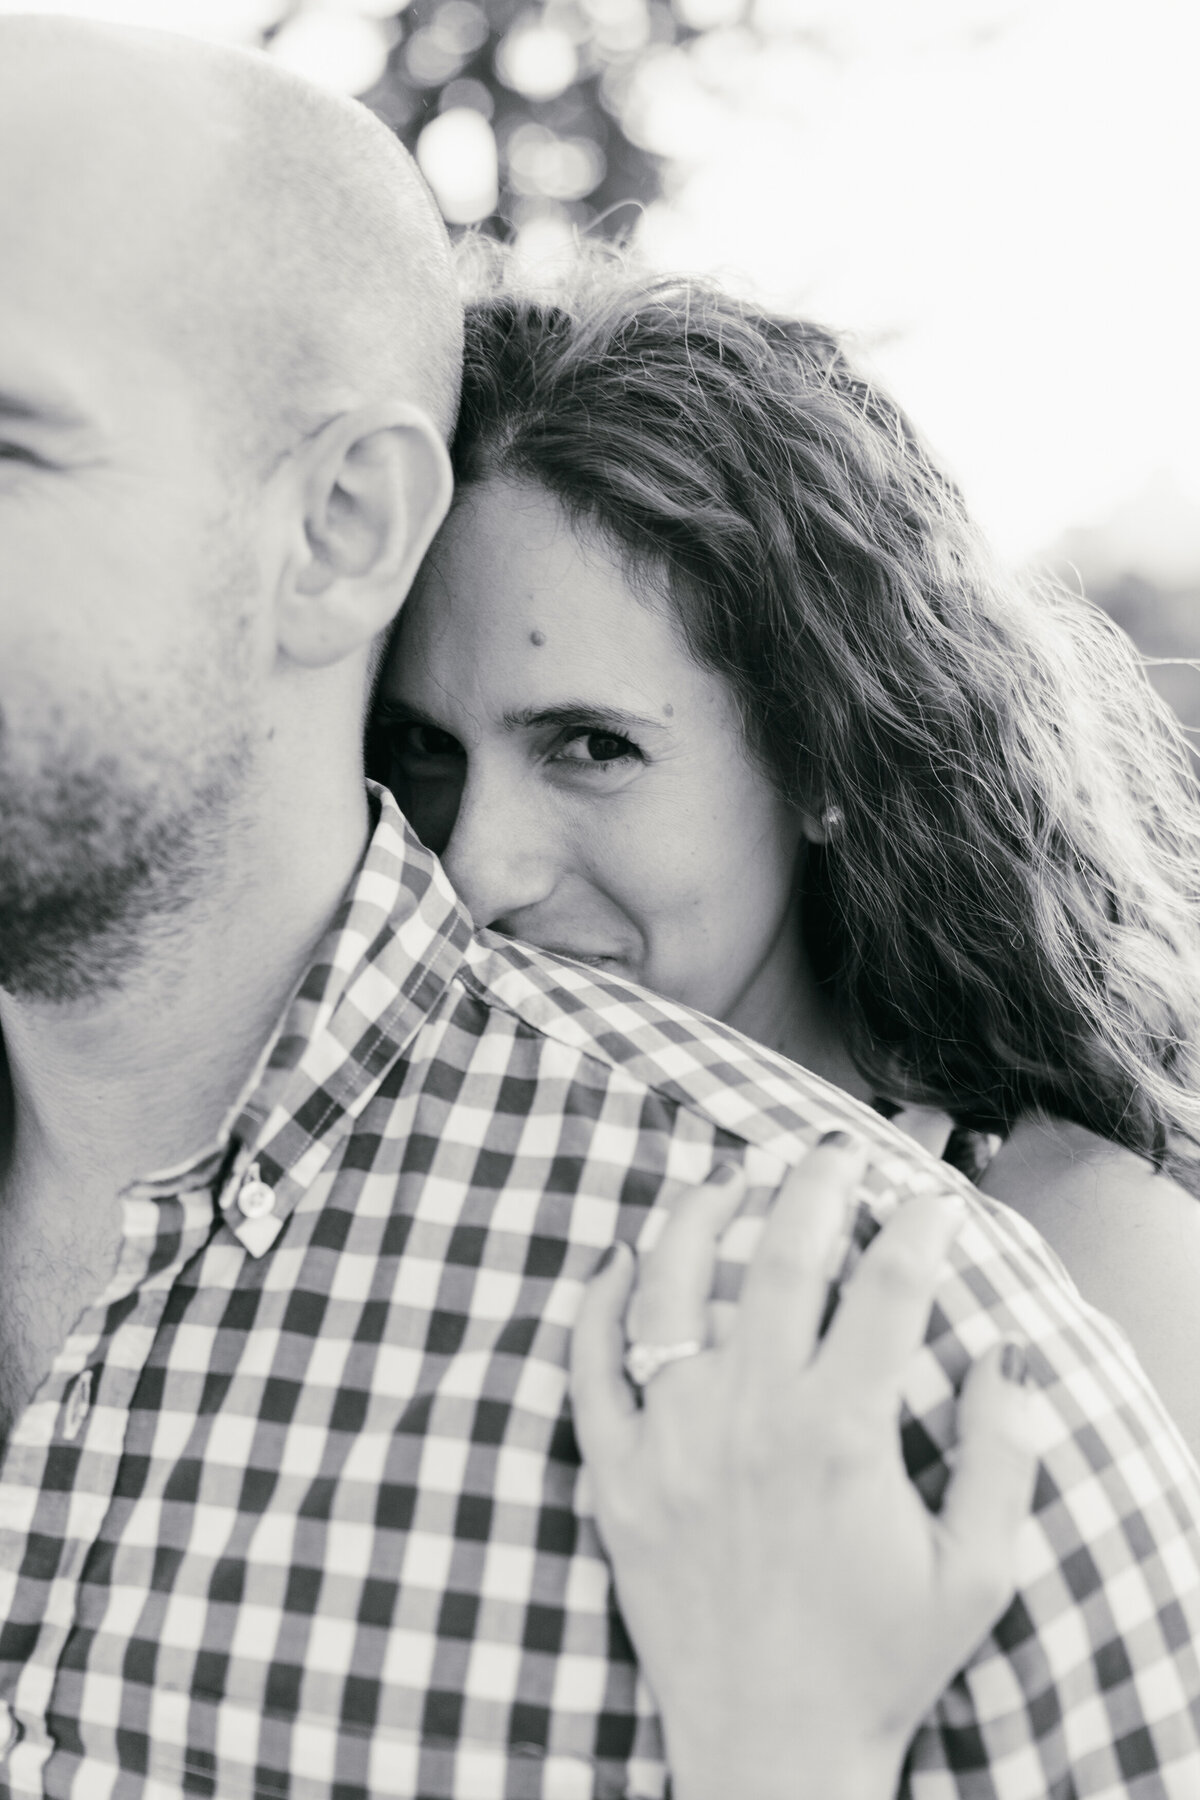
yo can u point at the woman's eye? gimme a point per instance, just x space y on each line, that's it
598 747
426 743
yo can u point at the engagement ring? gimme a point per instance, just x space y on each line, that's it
643 1361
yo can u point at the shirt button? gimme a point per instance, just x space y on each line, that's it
255 1198
78 1407
10 1731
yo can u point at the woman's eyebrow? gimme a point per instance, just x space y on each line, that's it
402 710
580 713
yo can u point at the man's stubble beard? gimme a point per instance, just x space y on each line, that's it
90 872
104 847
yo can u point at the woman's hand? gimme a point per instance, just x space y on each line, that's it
796 1607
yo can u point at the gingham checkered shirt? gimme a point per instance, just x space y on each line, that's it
297 1513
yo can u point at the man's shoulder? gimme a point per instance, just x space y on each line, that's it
418 960
639 1040
415 957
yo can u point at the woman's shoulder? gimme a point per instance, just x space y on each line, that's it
1100 1205
1129 1236
1079 1165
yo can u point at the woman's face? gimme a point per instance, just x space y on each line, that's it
584 782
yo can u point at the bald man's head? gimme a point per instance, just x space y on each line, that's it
274 237
229 361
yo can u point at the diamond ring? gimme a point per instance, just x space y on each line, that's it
643 1361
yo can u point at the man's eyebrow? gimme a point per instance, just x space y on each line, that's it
44 409
582 713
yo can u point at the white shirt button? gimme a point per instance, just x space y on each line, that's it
10 1731
79 1406
255 1198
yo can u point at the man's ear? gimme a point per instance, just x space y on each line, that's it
375 486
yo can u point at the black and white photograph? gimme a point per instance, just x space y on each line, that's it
599 900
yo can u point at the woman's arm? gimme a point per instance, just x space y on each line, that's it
795 1606
1130 1240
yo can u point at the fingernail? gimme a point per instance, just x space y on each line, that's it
723 1174
1014 1362
838 1140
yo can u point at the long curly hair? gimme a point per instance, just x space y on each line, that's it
1006 912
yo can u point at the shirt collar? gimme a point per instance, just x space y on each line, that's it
389 954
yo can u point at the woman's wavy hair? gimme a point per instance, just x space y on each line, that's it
1005 911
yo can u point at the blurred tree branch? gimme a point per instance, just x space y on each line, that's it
551 80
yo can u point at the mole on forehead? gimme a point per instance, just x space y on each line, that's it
669 710
537 638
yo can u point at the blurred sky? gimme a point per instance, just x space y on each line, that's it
998 196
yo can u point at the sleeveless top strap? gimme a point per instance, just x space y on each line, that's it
964 1148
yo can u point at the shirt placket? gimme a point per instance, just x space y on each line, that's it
80 1415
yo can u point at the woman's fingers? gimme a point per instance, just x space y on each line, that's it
883 1311
600 1398
991 1491
784 1292
674 1280
669 1286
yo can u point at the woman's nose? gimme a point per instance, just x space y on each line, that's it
500 856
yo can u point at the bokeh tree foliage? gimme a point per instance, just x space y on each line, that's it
527 115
